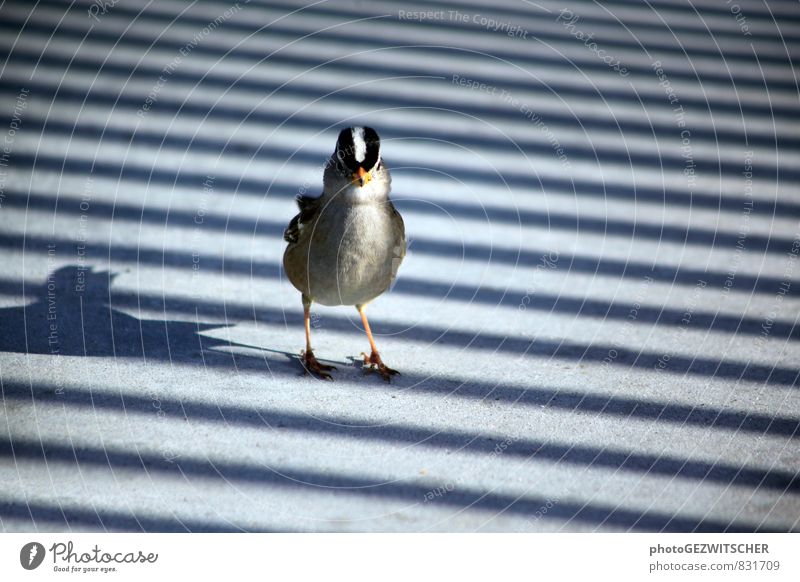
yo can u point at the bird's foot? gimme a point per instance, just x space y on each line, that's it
374 362
313 366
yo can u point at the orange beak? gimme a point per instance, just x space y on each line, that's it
362 176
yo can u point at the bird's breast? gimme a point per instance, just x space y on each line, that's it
353 254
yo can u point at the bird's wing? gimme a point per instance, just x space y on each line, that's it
308 210
399 232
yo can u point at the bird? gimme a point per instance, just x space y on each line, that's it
346 245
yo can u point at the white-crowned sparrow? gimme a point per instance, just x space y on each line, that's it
345 247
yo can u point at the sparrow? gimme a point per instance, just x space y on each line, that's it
346 246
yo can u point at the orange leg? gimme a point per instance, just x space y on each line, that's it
307 323
373 361
310 363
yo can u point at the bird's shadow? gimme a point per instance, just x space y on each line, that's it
72 314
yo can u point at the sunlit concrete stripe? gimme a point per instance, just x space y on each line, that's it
714 16
531 288
390 444
422 318
370 447
243 506
131 499
661 359
549 383
543 341
510 286
316 18
408 311
634 290
535 23
366 517
341 39
416 180
215 211
681 342
511 137
267 215
594 115
592 390
463 164
450 60
8 300
555 390
577 144
534 20
292 456
538 288
568 265
737 251
696 114
259 256
22 513
742 161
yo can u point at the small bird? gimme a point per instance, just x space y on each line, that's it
345 247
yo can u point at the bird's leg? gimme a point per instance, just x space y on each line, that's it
373 361
310 363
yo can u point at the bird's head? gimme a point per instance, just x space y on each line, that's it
358 154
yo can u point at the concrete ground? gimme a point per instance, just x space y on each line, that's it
596 322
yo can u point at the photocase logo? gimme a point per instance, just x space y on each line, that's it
31 555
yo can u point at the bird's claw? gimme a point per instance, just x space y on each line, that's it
374 362
313 366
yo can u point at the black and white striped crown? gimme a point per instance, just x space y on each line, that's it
358 147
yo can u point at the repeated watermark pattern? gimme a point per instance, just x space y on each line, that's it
10 136
486 22
630 319
198 236
52 301
613 244
783 289
686 319
739 16
744 227
569 20
53 327
183 52
82 235
525 110
532 519
679 114
547 262
168 451
100 8
438 492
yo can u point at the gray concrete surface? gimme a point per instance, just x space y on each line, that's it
595 323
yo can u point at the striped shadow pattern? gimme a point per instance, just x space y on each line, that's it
596 322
